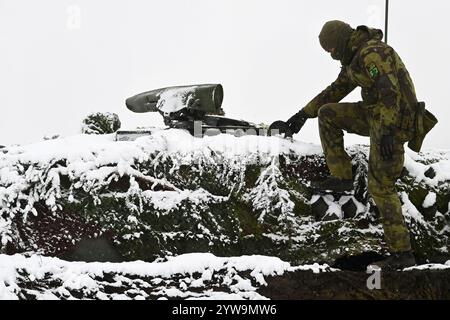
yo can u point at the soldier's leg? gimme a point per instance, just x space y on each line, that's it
333 119
382 177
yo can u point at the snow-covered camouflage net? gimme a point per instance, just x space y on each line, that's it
171 193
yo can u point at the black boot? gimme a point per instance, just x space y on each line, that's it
396 261
333 185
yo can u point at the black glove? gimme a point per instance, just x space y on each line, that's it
387 147
297 121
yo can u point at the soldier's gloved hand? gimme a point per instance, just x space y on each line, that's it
297 121
387 147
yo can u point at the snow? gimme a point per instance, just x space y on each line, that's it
195 270
88 151
430 266
333 207
185 276
409 210
315 268
169 200
267 192
429 200
417 169
174 99
96 157
93 161
82 276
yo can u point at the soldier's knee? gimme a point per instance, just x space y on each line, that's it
326 111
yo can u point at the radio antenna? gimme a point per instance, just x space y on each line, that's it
386 20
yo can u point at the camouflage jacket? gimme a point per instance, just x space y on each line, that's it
385 83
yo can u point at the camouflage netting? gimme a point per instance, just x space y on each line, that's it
156 197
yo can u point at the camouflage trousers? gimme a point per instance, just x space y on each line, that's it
365 120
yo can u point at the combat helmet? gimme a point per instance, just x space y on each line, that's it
335 35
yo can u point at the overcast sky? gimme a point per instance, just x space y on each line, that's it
61 60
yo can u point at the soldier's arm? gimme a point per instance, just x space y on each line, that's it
380 69
335 92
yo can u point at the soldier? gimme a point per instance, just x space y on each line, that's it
389 114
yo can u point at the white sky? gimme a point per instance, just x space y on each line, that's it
60 60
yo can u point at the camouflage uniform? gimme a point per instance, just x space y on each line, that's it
388 108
